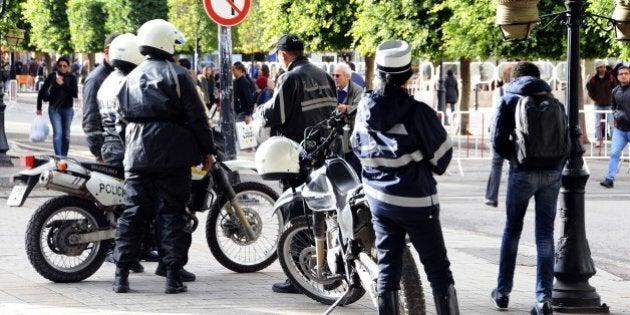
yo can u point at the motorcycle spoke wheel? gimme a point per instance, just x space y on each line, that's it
48 239
228 241
296 255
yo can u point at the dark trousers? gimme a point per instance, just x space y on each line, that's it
162 195
425 232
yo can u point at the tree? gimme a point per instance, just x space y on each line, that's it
126 16
49 25
87 25
190 18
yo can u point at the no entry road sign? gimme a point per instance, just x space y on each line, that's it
227 12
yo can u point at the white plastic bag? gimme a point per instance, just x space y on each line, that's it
39 129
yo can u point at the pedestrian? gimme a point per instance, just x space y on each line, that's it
165 131
525 182
263 94
599 88
243 93
451 89
494 179
304 96
398 178
621 124
348 97
355 77
92 122
206 82
59 90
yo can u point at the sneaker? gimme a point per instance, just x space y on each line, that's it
491 203
284 287
608 183
542 309
500 300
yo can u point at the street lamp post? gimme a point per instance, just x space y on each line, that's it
574 265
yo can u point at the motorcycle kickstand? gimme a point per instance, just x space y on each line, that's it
334 305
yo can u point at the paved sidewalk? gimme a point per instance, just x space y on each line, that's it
473 255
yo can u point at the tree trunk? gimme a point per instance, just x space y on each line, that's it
464 99
585 139
369 71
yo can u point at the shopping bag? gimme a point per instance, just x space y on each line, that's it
245 135
39 129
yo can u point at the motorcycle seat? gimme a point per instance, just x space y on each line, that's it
115 171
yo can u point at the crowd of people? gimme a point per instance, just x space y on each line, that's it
155 132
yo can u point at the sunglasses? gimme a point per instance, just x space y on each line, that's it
336 75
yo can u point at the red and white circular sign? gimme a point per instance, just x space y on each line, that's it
227 12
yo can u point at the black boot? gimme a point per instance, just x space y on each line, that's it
174 282
388 303
447 304
121 280
186 276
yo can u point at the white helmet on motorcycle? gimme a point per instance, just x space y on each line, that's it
278 158
125 48
159 35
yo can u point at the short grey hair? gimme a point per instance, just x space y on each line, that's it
345 68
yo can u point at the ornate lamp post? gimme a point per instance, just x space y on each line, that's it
4 146
574 265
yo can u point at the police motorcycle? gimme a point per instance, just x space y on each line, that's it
327 251
68 237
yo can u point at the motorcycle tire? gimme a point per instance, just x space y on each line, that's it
47 239
411 295
295 250
227 241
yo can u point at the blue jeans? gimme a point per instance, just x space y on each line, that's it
425 233
61 119
544 186
600 129
494 180
619 141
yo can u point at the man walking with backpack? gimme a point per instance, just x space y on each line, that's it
531 132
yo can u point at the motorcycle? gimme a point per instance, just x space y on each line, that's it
328 252
68 237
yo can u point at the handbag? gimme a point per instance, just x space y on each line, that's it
47 92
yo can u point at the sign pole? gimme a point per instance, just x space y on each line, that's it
227 121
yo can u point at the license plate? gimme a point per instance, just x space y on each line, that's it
17 193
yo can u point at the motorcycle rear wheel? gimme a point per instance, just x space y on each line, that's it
228 242
47 239
295 251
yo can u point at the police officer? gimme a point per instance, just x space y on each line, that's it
304 96
401 143
165 129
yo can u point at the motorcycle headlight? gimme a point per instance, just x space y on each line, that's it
318 193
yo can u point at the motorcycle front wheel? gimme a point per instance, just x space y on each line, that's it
228 241
296 253
48 237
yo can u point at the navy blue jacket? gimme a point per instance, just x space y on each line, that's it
400 143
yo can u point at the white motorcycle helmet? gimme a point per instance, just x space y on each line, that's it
125 48
159 34
278 158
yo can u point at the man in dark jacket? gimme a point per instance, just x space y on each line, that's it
599 88
304 96
165 129
621 130
92 125
243 93
523 184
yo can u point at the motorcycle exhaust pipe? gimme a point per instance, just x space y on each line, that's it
58 181
369 264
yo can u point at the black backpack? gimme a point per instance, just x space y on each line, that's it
541 131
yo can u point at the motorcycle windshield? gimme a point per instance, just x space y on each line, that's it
318 193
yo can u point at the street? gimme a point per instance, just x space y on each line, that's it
472 232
